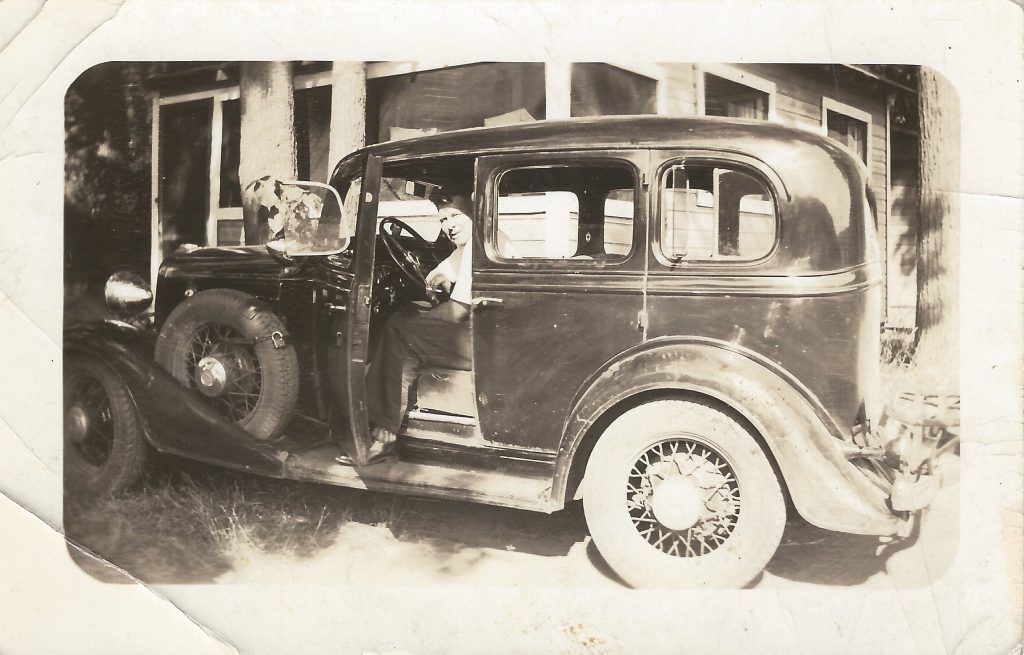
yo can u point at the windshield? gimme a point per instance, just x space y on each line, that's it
314 218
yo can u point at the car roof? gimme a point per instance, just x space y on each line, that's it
750 136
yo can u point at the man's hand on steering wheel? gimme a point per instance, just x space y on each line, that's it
405 258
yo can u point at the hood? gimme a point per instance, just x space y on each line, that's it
247 261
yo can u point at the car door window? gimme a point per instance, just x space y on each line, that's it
579 211
711 211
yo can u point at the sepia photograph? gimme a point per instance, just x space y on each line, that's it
689 321
402 328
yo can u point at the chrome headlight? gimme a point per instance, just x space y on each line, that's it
127 294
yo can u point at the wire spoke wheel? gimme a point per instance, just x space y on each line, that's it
90 422
683 497
222 364
234 351
679 493
104 446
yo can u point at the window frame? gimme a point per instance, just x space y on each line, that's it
736 76
740 163
219 96
629 160
831 104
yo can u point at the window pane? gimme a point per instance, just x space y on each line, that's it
312 132
712 212
849 131
230 152
410 191
565 212
312 220
604 90
724 97
184 170
403 106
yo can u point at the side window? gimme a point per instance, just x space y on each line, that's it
581 211
713 212
410 191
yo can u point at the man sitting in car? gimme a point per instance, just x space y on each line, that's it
414 337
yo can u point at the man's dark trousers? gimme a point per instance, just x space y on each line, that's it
413 339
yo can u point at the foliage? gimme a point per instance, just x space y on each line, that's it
106 173
898 346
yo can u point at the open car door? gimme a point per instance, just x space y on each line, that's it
350 328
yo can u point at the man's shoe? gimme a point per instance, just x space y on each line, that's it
382 452
378 453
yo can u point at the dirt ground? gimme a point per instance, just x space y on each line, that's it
248 530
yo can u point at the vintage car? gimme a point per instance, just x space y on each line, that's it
675 320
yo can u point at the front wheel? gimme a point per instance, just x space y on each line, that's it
104 448
679 494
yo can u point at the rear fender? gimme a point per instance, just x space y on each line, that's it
176 419
827 490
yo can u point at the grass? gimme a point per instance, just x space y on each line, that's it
190 523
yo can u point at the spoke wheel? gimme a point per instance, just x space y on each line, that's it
104 447
233 351
222 365
683 497
678 494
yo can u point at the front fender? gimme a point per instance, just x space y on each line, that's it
827 490
176 419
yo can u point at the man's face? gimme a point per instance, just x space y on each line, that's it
456 225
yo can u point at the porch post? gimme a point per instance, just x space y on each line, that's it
557 90
348 109
267 142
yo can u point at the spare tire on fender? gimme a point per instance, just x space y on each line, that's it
227 346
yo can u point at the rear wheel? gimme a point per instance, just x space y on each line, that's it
679 494
222 344
104 448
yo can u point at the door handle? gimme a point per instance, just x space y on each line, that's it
487 302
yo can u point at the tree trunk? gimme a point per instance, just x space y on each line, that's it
348 109
267 133
938 270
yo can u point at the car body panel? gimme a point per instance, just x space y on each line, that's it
775 405
177 420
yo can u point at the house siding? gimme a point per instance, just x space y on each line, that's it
798 103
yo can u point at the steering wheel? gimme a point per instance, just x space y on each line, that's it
406 259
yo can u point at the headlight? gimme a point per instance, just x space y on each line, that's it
127 294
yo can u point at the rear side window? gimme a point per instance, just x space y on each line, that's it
566 212
711 212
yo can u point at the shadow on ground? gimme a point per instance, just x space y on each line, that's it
197 524
186 522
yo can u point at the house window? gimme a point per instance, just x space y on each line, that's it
847 125
577 211
715 212
312 132
724 90
605 90
724 97
405 105
199 152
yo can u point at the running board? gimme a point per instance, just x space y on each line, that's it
431 480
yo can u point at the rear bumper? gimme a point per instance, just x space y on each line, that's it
901 456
